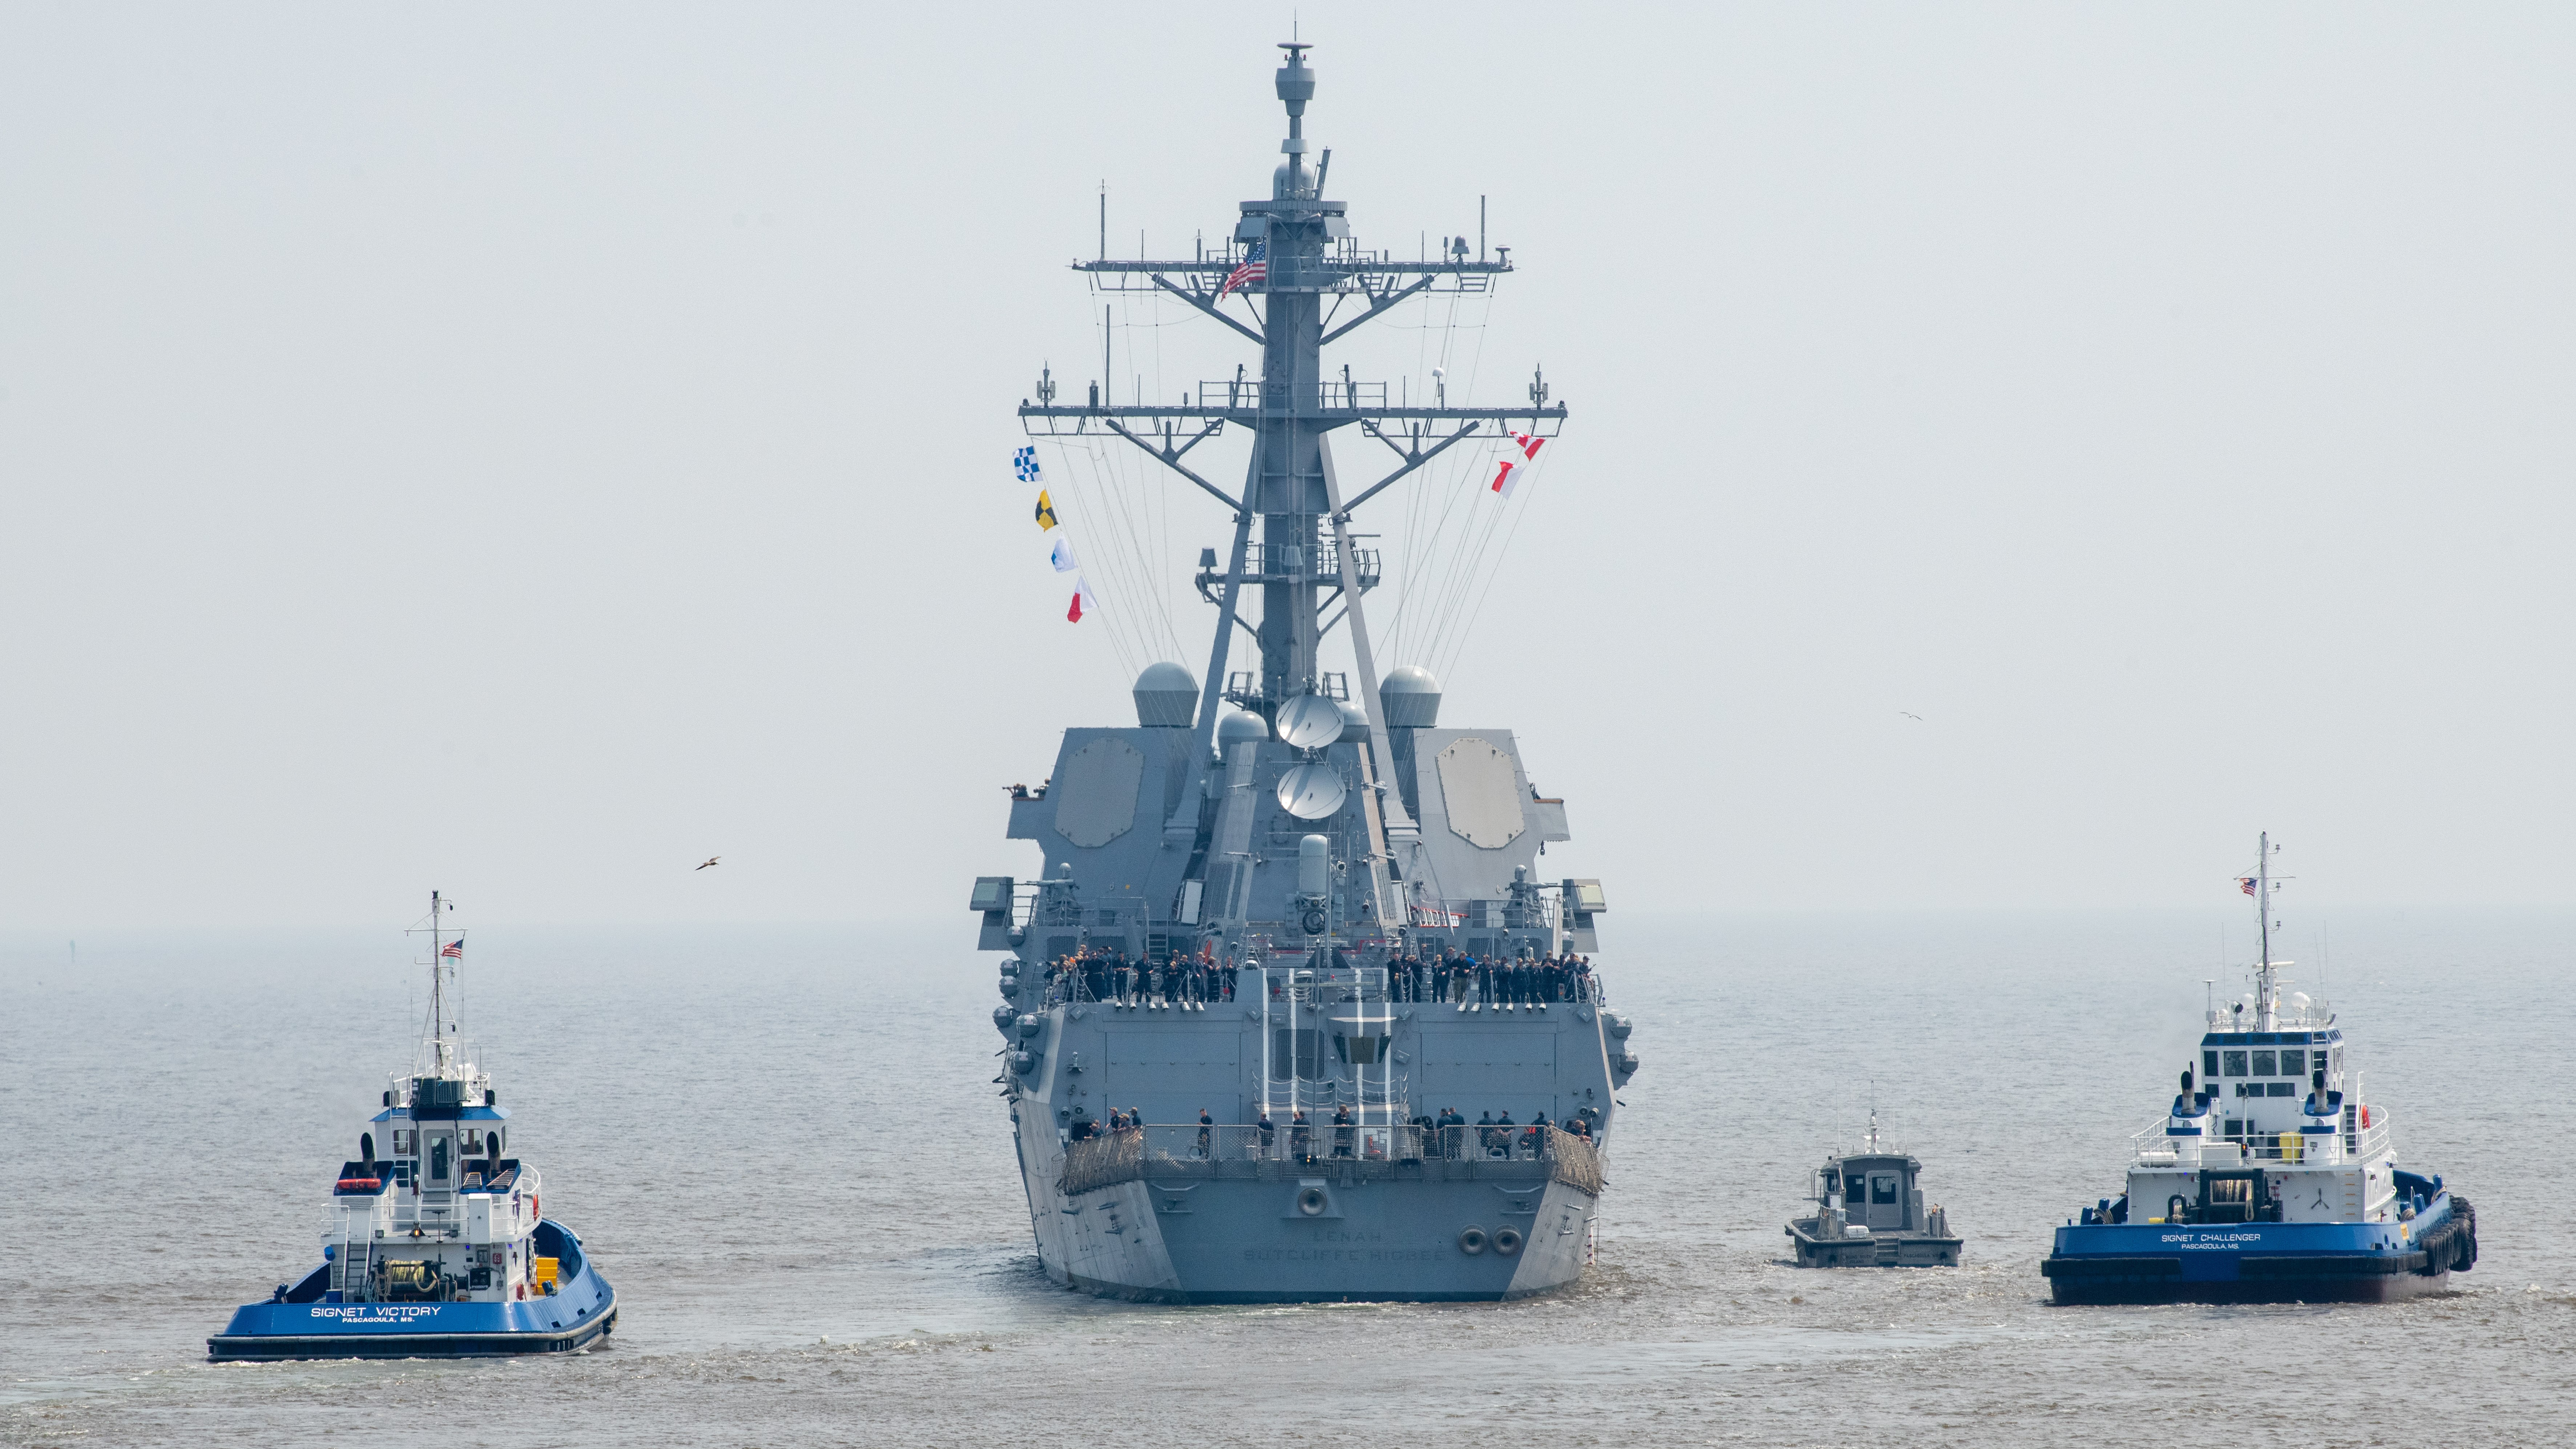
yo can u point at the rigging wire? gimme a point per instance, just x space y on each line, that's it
1114 612
1529 489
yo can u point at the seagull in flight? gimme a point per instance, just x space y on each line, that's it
1909 714
712 859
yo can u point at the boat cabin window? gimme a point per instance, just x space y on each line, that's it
406 1141
438 1149
1882 1188
2263 1065
2235 1063
2208 1065
2294 1064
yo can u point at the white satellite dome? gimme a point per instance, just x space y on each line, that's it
1411 696
1167 696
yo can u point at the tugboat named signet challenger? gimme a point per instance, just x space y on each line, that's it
2271 1181
440 1249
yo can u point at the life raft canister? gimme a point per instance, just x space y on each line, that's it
2365 1115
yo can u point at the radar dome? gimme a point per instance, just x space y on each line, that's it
1167 696
1243 724
1354 721
1411 697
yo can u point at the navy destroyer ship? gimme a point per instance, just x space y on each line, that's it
2271 1178
440 1247
1290 933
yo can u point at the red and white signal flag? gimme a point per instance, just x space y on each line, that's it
1507 477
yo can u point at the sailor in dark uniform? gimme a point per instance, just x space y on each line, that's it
1342 1131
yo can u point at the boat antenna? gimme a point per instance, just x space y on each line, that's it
437 979
1873 1114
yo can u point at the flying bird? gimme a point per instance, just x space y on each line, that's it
712 859
1909 714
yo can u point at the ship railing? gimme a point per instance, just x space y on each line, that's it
2363 1143
1284 1141
1125 1156
1237 394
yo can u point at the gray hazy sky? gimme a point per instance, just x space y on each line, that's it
526 451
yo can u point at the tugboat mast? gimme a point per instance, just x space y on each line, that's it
438 1044
2266 991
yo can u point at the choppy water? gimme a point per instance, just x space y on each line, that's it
783 1148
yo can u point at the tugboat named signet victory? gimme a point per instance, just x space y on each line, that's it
441 1248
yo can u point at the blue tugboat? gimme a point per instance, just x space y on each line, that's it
440 1249
2268 1182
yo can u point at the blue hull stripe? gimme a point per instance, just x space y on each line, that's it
577 1312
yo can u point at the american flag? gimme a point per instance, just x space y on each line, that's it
2247 882
1255 268
453 950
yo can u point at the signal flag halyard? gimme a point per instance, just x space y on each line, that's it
1046 512
1025 463
1083 602
1506 477
1062 556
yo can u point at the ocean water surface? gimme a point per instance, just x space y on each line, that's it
785 1149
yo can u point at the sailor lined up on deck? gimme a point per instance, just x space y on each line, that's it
1452 976
1106 974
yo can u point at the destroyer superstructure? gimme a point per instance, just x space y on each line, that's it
439 1248
1277 961
2270 1178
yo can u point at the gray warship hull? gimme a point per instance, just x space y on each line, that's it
1237 920
1215 1238
1228 1214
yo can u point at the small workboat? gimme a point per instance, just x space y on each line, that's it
2271 1178
1870 1214
440 1248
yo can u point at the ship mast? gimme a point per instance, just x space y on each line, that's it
437 984
2265 1006
1304 562
438 1044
